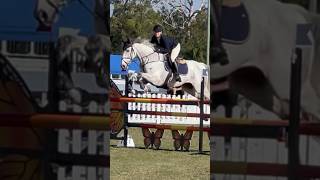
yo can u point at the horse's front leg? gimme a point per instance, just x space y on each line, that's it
152 78
147 79
144 85
142 82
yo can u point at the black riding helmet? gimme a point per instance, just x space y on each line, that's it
157 28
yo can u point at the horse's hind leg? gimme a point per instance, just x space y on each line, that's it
190 90
310 101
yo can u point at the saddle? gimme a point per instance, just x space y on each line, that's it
181 63
235 25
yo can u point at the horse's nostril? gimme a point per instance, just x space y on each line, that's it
123 67
43 15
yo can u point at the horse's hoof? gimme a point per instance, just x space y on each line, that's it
178 79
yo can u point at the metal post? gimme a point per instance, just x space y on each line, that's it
201 116
125 130
53 93
53 107
294 116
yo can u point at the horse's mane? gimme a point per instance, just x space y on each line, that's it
144 42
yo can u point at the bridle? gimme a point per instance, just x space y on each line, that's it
124 59
127 60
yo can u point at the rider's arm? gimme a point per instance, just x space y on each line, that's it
165 46
153 40
158 49
163 50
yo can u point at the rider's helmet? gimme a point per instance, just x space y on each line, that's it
157 28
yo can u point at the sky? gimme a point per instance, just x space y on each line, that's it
196 3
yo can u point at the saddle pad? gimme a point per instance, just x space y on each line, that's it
182 69
234 24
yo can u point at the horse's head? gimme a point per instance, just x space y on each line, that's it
128 54
46 12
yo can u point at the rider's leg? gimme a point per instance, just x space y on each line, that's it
174 54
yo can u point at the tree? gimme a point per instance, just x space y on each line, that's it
132 18
188 23
179 14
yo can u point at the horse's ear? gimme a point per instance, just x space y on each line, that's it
129 40
123 40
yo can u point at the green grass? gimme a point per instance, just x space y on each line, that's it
165 163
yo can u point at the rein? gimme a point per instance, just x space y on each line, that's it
148 60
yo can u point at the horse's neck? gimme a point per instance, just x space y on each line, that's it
142 50
148 58
155 66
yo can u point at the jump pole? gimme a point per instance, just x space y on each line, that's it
202 115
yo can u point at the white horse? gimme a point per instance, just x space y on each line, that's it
155 71
259 67
47 13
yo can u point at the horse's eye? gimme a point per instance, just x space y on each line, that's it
127 50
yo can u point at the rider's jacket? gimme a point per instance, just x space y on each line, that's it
166 44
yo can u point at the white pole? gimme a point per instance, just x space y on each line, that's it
313 6
208 38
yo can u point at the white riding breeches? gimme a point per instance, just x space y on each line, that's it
175 52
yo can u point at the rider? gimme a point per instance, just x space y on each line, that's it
167 45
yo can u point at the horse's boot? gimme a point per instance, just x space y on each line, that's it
219 56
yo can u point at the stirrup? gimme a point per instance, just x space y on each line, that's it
178 78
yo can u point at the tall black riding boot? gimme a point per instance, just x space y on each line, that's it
175 71
219 55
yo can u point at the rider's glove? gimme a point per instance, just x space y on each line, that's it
158 50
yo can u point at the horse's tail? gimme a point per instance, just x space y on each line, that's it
314 74
314 19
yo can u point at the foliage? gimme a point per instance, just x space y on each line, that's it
136 18
131 19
